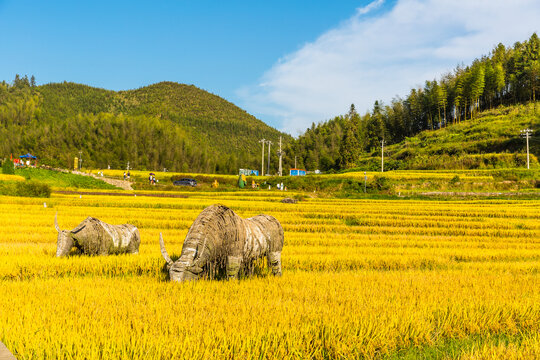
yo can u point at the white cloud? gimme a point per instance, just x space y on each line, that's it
369 7
375 57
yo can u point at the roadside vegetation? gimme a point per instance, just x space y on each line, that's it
353 183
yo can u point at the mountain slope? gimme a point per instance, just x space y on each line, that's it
179 127
491 140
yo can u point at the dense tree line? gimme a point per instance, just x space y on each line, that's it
509 75
165 125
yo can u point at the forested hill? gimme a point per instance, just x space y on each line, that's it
499 83
165 125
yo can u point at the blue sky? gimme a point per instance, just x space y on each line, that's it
219 46
290 63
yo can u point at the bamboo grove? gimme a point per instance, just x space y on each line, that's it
507 76
361 279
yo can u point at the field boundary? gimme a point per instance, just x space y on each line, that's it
5 354
70 192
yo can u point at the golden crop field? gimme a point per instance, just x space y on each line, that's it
7 177
361 279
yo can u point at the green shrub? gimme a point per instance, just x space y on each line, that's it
32 188
454 180
374 164
351 221
381 183
8 167
507 175
301 197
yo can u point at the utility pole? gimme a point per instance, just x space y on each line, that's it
280 154
365 182
526 134
262 157
269 143
80 160
382 155
295 161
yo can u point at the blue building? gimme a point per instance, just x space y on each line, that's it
297 172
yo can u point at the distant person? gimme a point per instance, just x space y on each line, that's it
124 176
128 175
150 179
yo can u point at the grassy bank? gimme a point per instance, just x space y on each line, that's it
490 141
59 179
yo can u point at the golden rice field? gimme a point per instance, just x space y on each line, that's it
361 279
7 177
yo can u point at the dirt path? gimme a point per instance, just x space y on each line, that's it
126 185
5 354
